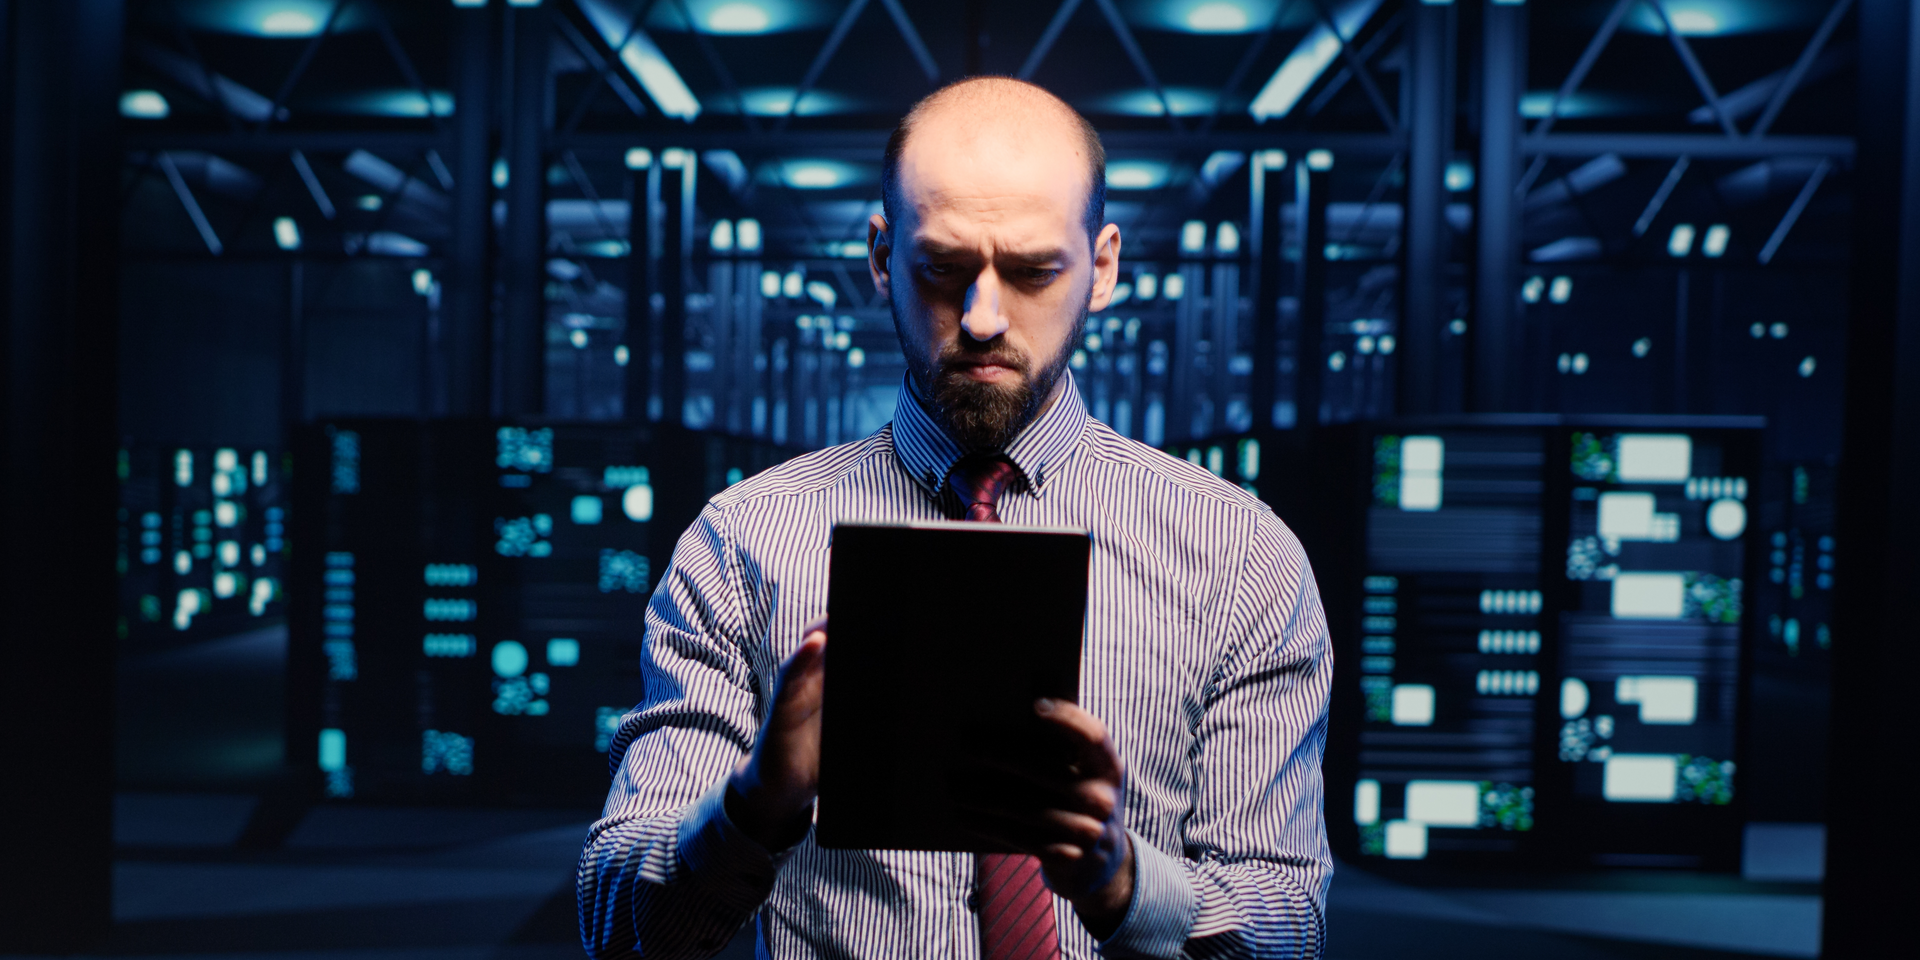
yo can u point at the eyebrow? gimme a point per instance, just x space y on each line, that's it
935 248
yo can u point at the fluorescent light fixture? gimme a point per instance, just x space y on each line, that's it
778 102
656 75
144 105
746 234
289 19
1715 242
1193 237
470 3
738 18
1144 102
1136 175
1308 60
1217 17
1320 160
816 174
286 233
639 158
1680 241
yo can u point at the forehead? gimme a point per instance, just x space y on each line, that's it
963 171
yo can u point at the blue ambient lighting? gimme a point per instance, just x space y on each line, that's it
144 105
1308 60
286 234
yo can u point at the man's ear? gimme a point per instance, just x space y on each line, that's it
879 252
1106 266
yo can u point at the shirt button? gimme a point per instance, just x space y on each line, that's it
973 900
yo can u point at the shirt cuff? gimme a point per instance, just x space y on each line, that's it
1162 910
722 859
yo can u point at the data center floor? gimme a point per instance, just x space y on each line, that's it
213 862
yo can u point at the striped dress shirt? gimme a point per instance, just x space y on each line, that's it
1205 654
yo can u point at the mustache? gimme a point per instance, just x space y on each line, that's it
993 352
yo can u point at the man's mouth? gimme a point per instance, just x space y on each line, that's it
986 369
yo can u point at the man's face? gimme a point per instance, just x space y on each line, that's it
989 271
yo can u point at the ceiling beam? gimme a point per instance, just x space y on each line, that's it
1696 145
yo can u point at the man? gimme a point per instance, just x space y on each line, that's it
1191 823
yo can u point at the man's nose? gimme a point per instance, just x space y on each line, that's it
983 319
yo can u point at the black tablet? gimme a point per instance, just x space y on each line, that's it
940 638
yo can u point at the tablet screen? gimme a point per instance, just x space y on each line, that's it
941 637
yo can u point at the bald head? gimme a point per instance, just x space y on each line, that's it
999 121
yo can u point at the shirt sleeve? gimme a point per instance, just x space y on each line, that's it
1252 879
665 873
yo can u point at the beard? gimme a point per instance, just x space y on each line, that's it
986 416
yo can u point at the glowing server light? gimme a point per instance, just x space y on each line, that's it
1680 241
1135 175
1226 237
639 158
746 235
1560 290
1193 237
286 233
770 284
1174 287
1459 176
1320 160
1145 286
1714 244
423 282
721 237
144 105
793 285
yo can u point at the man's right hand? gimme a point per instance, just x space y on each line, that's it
771 792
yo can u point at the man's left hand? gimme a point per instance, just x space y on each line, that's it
1079 838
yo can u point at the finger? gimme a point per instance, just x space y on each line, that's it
1085 735
1044 789
798 692
1033 829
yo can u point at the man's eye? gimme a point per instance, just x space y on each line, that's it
1041 274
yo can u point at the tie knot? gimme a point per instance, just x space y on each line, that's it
979 480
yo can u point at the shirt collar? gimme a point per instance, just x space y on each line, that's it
1039 451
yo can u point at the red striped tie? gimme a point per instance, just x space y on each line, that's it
1016 908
